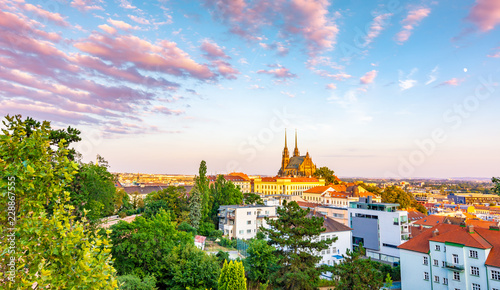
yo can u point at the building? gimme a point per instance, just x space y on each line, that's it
473 198
285 185
380 227
238 179
243 221
337 195
296 165
452 257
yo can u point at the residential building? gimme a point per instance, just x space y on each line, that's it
337 195
243 221
473 198
240 181
380 227
285 185
452 257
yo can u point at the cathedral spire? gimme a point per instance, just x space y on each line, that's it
285 138
296 150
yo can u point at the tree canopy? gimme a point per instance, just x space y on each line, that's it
232 276
175 198
261 260
496 182
327 174
295 237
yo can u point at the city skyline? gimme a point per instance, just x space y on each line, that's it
382 89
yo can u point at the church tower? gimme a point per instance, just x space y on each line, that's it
285 159
296 150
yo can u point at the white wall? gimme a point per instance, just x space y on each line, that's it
412 271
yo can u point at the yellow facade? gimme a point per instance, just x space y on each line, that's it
287 186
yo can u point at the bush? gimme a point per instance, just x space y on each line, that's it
206 229
225 242
122 214
185 227
131 282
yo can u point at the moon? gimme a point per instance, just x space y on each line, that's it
465 69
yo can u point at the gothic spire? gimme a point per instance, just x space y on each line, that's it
296 150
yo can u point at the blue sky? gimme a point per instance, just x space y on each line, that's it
374 88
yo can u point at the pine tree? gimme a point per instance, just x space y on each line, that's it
295 236
195 200
232 276
201 181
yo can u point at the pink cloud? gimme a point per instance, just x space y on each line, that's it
86 5
54 17
120 24
411 21
496 53
450 82
225 69
485 14
279 72
378 24
139 20
280 48
212 50
369 77
331 86
338 76
166 111
107 28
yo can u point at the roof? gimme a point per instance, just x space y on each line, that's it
308 204
414 215
480 238
199 239
330 224
430 220
337 194
318 189
295 162
240 174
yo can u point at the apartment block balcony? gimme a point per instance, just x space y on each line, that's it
230 216
453 266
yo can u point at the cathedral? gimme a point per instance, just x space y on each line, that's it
296 165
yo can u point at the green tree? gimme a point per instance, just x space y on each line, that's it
252 198
188 267
394 194
195 206
294 234
201 182
176 199
232 276
153 207
373 189
140 247
356 273
327 174
260 261
496 182
131 282
224 193
51 248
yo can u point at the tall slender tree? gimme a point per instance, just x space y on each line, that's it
496 182
232 276
296 238
201 182
195 200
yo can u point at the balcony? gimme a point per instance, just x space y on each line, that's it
453 266
230 216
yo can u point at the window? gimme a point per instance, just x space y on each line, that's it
249 213
476 286
249 222
436 279
426 276
437 248
249 231
474 271
495 275
444 264
456 275
455 259
473 254
426 261
242 232
436 262
445 281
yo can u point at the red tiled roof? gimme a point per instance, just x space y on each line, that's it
493 237
318 189
460 236
430 220
420 243
199 239
240 174
414 215
338 194
478 223
308 204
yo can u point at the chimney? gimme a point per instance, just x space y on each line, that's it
470 229
435 233
421 227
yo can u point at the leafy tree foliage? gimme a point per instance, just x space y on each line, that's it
93 190
356 273
371 188
188 267
195 206
496 182
327 174
294 236
252 198
222 257
175 198
153 207
232 276
201 183
223 193
131 282
185 227
51 248
261 260
394 194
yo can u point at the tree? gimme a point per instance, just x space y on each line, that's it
394 194
140 247
175 198
356 273
496 182
252 198
373 189
195 206
294 235
201 182
224 193
260 261
131 282
327 174
232 276
51 248
188 267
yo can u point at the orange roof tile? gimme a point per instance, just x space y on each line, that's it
493 237
420 243
431 220
318 189
460 236
478 223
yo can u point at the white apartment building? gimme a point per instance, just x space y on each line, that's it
452 257
243 221
380 227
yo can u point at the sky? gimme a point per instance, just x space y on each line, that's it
402 89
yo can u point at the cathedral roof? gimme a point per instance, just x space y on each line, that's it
295 162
